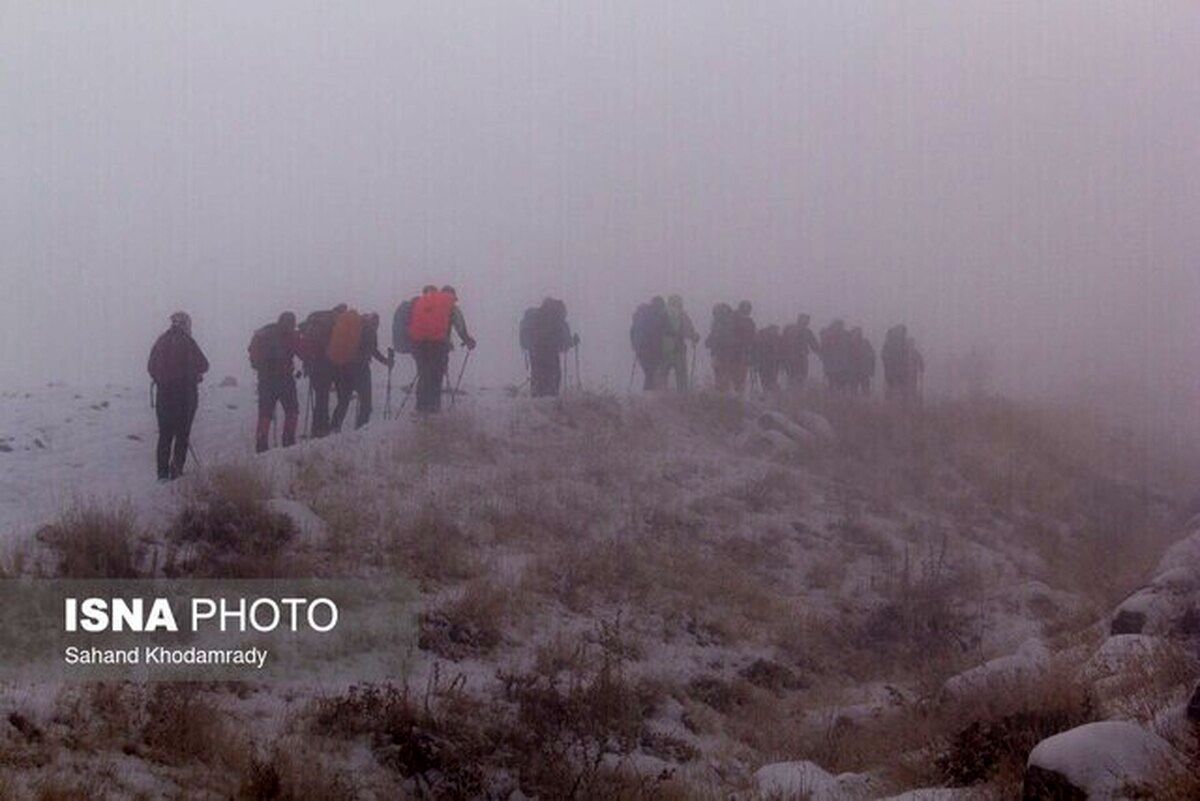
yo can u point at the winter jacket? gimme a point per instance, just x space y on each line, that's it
176 360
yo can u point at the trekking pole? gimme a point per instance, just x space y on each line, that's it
387 404
632 373
578 374
408 394
195 456
458 383
308 409
691 378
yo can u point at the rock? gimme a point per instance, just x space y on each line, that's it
1119 653
1095 761
809 781
310 528
765 443
778 422
1127 621
1193 707
228 381
817 425
1028 660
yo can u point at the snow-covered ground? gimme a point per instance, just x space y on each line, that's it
790 589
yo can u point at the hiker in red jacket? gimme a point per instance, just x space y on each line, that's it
177 366
431 319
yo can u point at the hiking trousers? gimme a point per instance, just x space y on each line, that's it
676 363
353 380
320 381
175 407
276 389
433 358
545 372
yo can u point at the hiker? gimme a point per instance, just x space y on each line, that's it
679 333
177 366
545 336
272 349
836 356
354 378
431 320
647 334
768 358
797 341
315 333
862 355
898 363
744 335
916 366
720 344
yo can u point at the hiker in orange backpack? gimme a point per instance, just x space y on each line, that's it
342 350
315 333
355 377
432 317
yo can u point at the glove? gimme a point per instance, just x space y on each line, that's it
575 340
470 343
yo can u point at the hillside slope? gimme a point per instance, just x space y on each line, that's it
625 598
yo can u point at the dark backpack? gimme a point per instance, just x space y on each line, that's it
528 329
401 342
261 346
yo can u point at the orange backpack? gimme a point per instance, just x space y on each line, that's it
345 338
429 320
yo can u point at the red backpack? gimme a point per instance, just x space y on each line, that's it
429 320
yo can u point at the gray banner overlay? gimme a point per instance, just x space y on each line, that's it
283 630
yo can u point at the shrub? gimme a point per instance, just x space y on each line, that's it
229 539
94 542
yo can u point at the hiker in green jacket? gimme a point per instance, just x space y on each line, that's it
680 332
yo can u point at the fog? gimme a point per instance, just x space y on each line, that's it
1017 176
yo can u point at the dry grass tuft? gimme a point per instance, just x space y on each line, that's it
94 542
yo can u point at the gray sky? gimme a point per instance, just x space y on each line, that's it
1012 172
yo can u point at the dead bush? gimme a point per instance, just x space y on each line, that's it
471 625
227 538
238 484
295 774
94 542
432 548
184 724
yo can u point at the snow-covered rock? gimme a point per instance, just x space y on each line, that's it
817 425
309 526
936 794
773 421
1028 661
1097 761
1169 605
1119 653
810 781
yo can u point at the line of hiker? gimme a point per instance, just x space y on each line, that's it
742 354
336 347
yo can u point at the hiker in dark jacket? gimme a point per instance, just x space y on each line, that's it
315 333
797 342
745 333
862 355
836 358
177 366
721 345
768 358
897 363
547 336
356 376
647 334
272 350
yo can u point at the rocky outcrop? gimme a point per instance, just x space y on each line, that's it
1102 760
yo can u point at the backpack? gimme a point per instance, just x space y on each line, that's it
646 332
401 342
261 347
430 317
345 338
528 328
